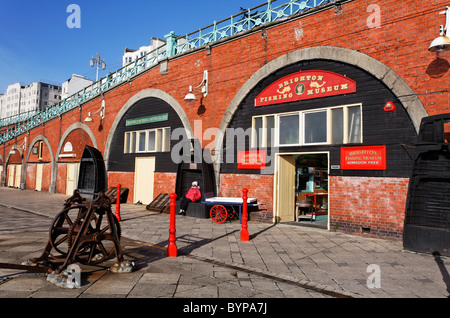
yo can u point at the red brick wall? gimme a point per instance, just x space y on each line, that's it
164 183
61 180
258 186
31 177
46 177
125 179
402 41
375 203
407 29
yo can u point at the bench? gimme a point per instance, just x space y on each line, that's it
197 209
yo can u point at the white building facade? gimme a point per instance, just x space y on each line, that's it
34 97
74 84
131 55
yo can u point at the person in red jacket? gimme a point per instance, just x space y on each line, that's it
193 195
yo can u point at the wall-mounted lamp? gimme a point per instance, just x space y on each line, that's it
190 97
23 146
89 118
442 43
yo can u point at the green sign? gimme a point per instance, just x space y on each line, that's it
147 120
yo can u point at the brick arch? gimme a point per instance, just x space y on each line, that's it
142 95
23 181
69 130
5 163
383 73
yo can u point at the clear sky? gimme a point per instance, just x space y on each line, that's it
37 45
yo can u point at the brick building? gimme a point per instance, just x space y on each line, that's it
326 103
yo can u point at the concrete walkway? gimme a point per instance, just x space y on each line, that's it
316 260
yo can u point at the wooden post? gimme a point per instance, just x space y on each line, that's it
172 248
244 232
118 203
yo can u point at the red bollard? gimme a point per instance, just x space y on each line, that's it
118 203
244 232
172 248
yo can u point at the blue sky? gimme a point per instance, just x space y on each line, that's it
37 45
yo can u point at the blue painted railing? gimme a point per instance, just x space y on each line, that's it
244 21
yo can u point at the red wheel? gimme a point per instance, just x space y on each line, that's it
232 214
218 214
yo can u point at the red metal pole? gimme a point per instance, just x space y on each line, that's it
172 248
118 203
244 232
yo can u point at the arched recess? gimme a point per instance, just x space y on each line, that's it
69 130
5 163
391 79
142 95
39 138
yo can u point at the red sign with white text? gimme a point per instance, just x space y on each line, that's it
305 85
363 158
252 159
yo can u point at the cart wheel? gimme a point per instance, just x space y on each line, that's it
231 214
218 213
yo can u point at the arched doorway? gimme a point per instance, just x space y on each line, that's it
138 149
307 126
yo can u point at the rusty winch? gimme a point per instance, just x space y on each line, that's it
85 232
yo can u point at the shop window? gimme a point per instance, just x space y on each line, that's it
263 127
289 129
334 125
166 140
337 126
141 141
354 124
40 150
151 141
130 142
315 127
144 141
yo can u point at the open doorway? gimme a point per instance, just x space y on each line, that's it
302 189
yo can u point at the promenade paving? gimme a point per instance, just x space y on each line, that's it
279 261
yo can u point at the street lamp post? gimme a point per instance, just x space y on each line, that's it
99 62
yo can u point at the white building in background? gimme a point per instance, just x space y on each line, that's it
33 97
74 84
131 55
11 100
2 98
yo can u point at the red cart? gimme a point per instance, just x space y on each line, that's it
219 212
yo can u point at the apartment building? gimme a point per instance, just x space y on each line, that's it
131 55
36 96
74 84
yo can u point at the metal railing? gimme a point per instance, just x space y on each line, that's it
244 21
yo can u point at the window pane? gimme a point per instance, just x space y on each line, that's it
126 147
289 130
258 132
316 127
166 146
270 127
354 125
133 142
151 140
141 141
338 126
